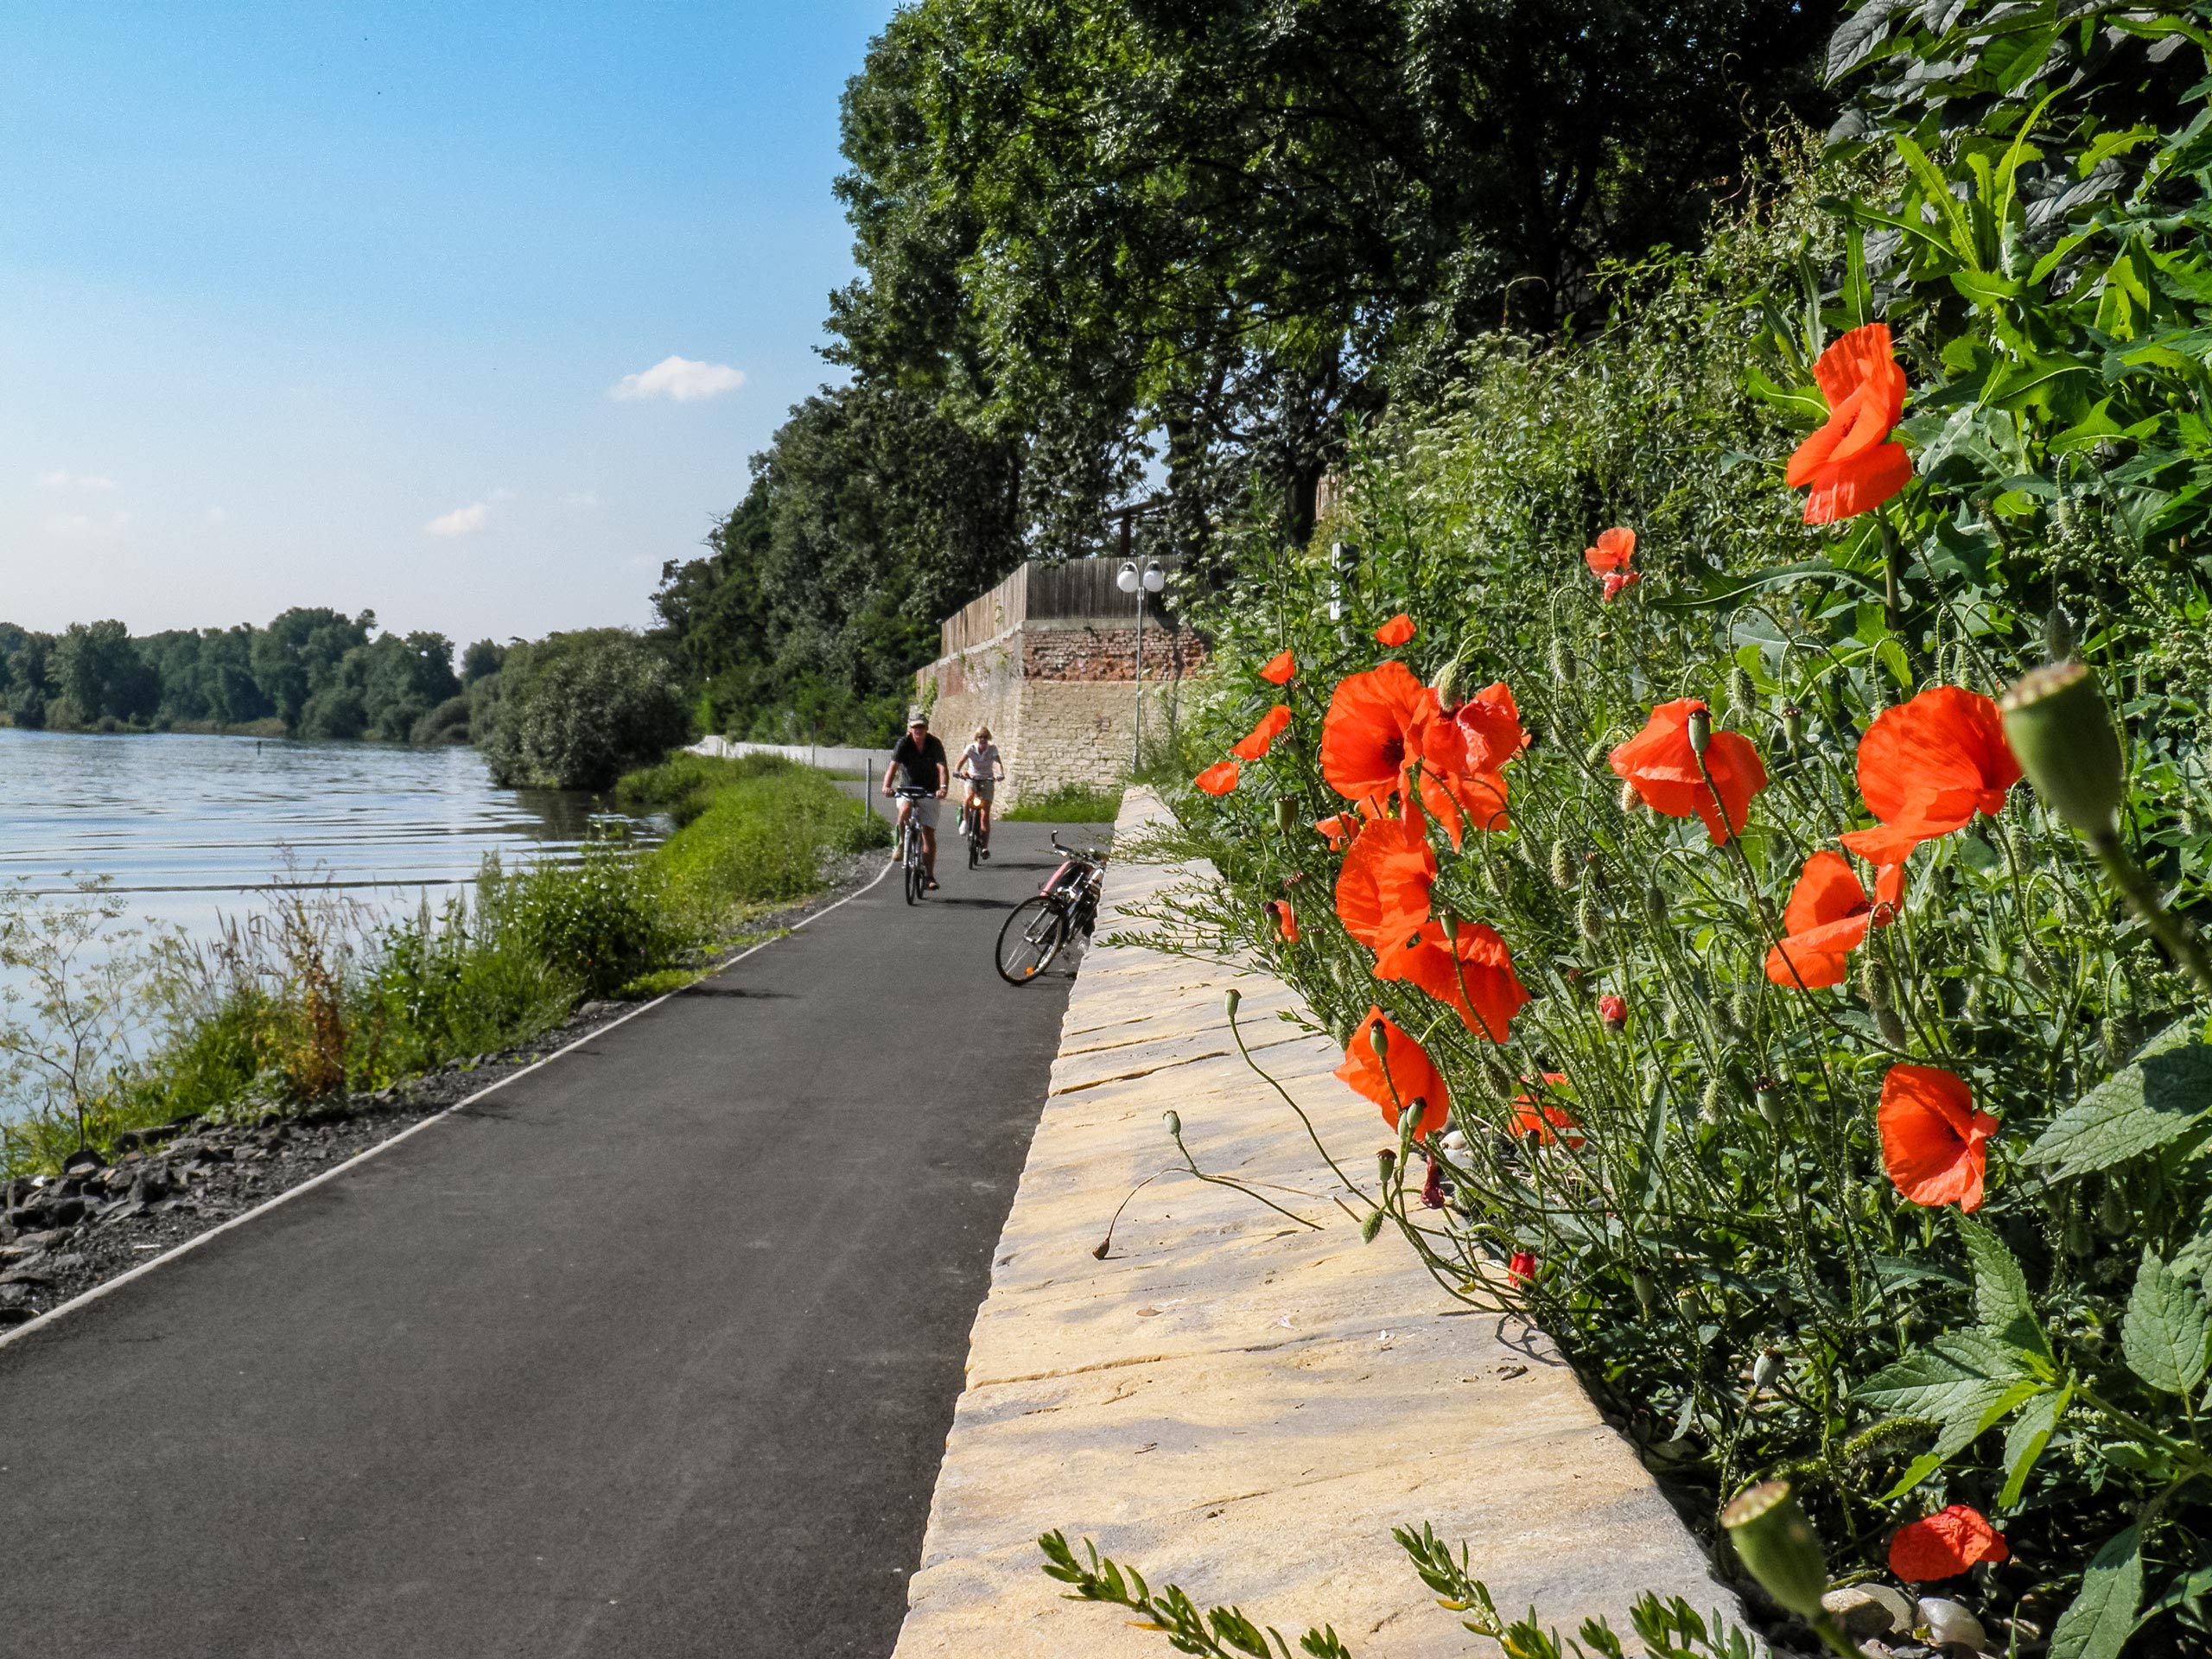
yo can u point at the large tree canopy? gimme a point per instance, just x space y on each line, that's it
1097 238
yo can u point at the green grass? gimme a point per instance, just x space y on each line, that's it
1069 804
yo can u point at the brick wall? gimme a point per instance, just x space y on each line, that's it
1059 698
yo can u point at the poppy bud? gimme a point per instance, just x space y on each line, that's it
1447 686
1562 865
2038 976
1286 815
1778 1543
1520 1266
1714 1107
1765 1367
1613 1010
1590 918
1594 756
1654 906
2061 734
1743 695
1562 661
1700 730
1768 1097
1793 726
1890 1024
2058 633
1630 799
1647 1292
1450 924
2112 1040
1229 1000
1874 984
1372 1226
2112 1213
1173 1121
1744 1007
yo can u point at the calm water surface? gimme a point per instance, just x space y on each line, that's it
187 827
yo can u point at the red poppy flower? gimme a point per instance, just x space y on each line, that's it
1339 828
1616 546
1279 911
1409 1081
1263 736
1927 766
1492 993
1490 728
1279 668
1383 889
1218 779
1480 796
1396 632
1944 1545
1850 462
1432 1187
1613 1010
1659 764
1522 1267
1542 1119
1827 918
1615 584
1933 1139
1377 721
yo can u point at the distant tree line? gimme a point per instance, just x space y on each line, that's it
570 711
311 672
1105 240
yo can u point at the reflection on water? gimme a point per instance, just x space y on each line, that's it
187 826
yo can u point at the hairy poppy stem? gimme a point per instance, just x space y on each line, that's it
2142 896
1311 1134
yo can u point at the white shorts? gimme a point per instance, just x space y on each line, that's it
924 808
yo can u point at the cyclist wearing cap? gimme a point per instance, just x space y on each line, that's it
919 762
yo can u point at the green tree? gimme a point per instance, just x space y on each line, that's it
576 710
102 675
299 654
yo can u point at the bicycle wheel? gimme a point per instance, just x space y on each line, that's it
971 821
917 876
1031 938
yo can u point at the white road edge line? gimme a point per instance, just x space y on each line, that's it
87 1298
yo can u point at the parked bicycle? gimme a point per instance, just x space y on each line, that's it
913 871
1040 927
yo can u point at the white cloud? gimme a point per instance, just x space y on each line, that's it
461 521
78 481
85 526
680 378
583 498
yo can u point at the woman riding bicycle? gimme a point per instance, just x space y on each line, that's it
981 765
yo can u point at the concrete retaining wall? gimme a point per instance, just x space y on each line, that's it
1237 1404
809 754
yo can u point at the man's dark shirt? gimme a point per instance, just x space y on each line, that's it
919 762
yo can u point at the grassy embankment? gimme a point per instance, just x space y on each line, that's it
314 997
1069 804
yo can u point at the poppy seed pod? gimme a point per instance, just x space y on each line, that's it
1647 1292
1378 1039
1173 1120
1700 730
1769 1100
1386 1159
2062 733
1765 1367
1286 815
1778 1543
1230 999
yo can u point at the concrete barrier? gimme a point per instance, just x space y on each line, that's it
1238 1404
808 755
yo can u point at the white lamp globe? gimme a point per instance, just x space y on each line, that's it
1154 577
1126 578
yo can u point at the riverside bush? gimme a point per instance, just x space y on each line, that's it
1882 1176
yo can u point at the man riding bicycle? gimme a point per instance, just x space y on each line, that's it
918 763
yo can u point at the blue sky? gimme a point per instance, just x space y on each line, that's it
342 305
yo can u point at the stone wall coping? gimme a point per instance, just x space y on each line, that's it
1236 1403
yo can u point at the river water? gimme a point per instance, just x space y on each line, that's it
187 827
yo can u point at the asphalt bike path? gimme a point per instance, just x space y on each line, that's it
652 1351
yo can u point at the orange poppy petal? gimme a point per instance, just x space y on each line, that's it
1219 778
1944 1545
1614 549
1279 668
1396 632
1263 736
1827 890
1410 1080
1848 488
1377 721
1932 1136
1383 889
1790 965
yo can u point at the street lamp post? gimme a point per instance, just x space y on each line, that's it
1129 580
